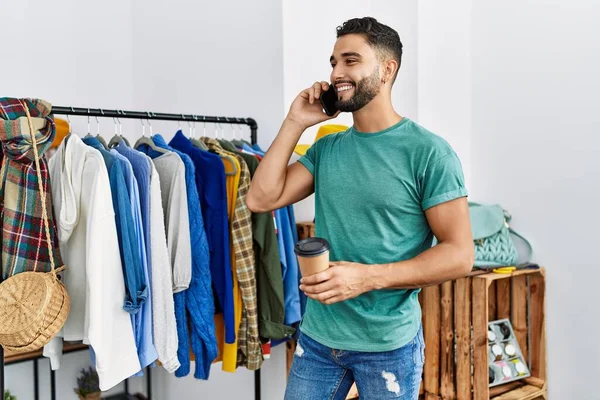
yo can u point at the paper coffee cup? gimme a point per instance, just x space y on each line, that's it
313 255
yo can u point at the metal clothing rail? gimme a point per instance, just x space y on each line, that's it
145 115
100 112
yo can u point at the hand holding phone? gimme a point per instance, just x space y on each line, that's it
314 105
328 99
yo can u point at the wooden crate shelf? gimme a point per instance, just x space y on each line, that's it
455 322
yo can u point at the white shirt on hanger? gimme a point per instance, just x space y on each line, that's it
94 279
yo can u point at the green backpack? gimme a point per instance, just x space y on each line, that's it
494 246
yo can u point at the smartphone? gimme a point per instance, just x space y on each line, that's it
328 99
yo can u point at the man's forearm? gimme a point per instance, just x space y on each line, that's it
443 262
269 179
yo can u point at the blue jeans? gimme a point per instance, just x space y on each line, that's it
321 373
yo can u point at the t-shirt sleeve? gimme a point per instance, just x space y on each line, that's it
443 181
309 158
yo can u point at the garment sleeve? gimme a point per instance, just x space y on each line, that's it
108 325
309 159
130 255
54 351
163 311
442 181
178 232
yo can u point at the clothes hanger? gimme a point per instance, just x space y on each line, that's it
68 135
227 156
199 143
118 138
237 143
89 134
242 140
220 154
100 138
232 132
121 133
229 145
147 140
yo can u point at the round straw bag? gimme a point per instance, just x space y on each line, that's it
33 305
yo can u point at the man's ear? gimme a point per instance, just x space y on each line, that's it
391 67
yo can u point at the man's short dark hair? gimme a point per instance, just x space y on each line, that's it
381 37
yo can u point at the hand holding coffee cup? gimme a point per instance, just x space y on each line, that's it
313 255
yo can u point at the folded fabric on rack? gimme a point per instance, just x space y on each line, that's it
24 243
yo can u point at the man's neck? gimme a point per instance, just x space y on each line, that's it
376 116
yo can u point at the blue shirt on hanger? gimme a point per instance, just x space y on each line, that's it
143 319
199 292
291 293
292 217
257 147
253 150
142 170
210 178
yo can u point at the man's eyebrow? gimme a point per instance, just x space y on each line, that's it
347 54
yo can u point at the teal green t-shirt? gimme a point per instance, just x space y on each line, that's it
371 193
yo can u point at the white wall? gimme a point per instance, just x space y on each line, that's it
309 34
535 149
444 73
212 58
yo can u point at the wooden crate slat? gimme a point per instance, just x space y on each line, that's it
502 299
518 310
431 300
526 271
537 382
305 230
537 321
480 347
507 387
447 390
462 322
492 302
526 392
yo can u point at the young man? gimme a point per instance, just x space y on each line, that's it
383 189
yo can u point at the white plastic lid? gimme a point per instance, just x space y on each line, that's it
510 349
497 350
520 367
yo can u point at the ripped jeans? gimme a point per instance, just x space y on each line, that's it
321 373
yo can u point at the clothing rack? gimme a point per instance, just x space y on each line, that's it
144 115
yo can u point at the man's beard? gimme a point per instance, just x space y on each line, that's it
365 91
